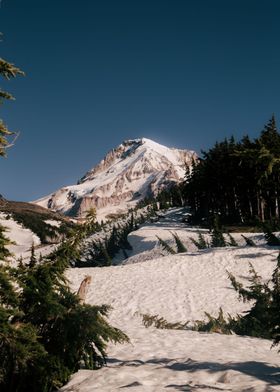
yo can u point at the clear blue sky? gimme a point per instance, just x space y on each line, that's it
182 72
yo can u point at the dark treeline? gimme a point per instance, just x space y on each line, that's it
237 180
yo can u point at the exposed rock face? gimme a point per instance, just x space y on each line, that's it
132 171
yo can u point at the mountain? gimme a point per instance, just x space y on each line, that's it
129 173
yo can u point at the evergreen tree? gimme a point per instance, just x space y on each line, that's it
232 241
270 237
275 304
4 241
217 237
7 71
249 241
33 259
179 244
165 246
91 221
200 243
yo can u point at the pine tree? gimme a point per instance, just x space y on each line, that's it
275 304
7 71
33 259
4 241
200 243
91 221
179 244
217 237
249 241
105 254
165 246
232 241
270 237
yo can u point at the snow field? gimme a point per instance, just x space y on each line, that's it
179 288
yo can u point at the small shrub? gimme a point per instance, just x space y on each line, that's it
218 324
149 320
270 237
200 243
232 241
179 244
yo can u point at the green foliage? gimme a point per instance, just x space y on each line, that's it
101 251
179 244
92 225
270 237
200 243
249 241
160 323
8 296
4 241
217 237
46 333
218 324
34 217
33 259
262 320
69 331
36 223
257 320
232 241
97 256
7 71
275 304
165 246
172 196
20 355
238 180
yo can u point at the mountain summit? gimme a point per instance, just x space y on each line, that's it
134 170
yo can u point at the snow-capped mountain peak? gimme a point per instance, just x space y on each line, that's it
134 170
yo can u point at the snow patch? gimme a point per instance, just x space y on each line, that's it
53 222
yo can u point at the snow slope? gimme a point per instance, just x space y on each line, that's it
179 288
135 169
23 238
